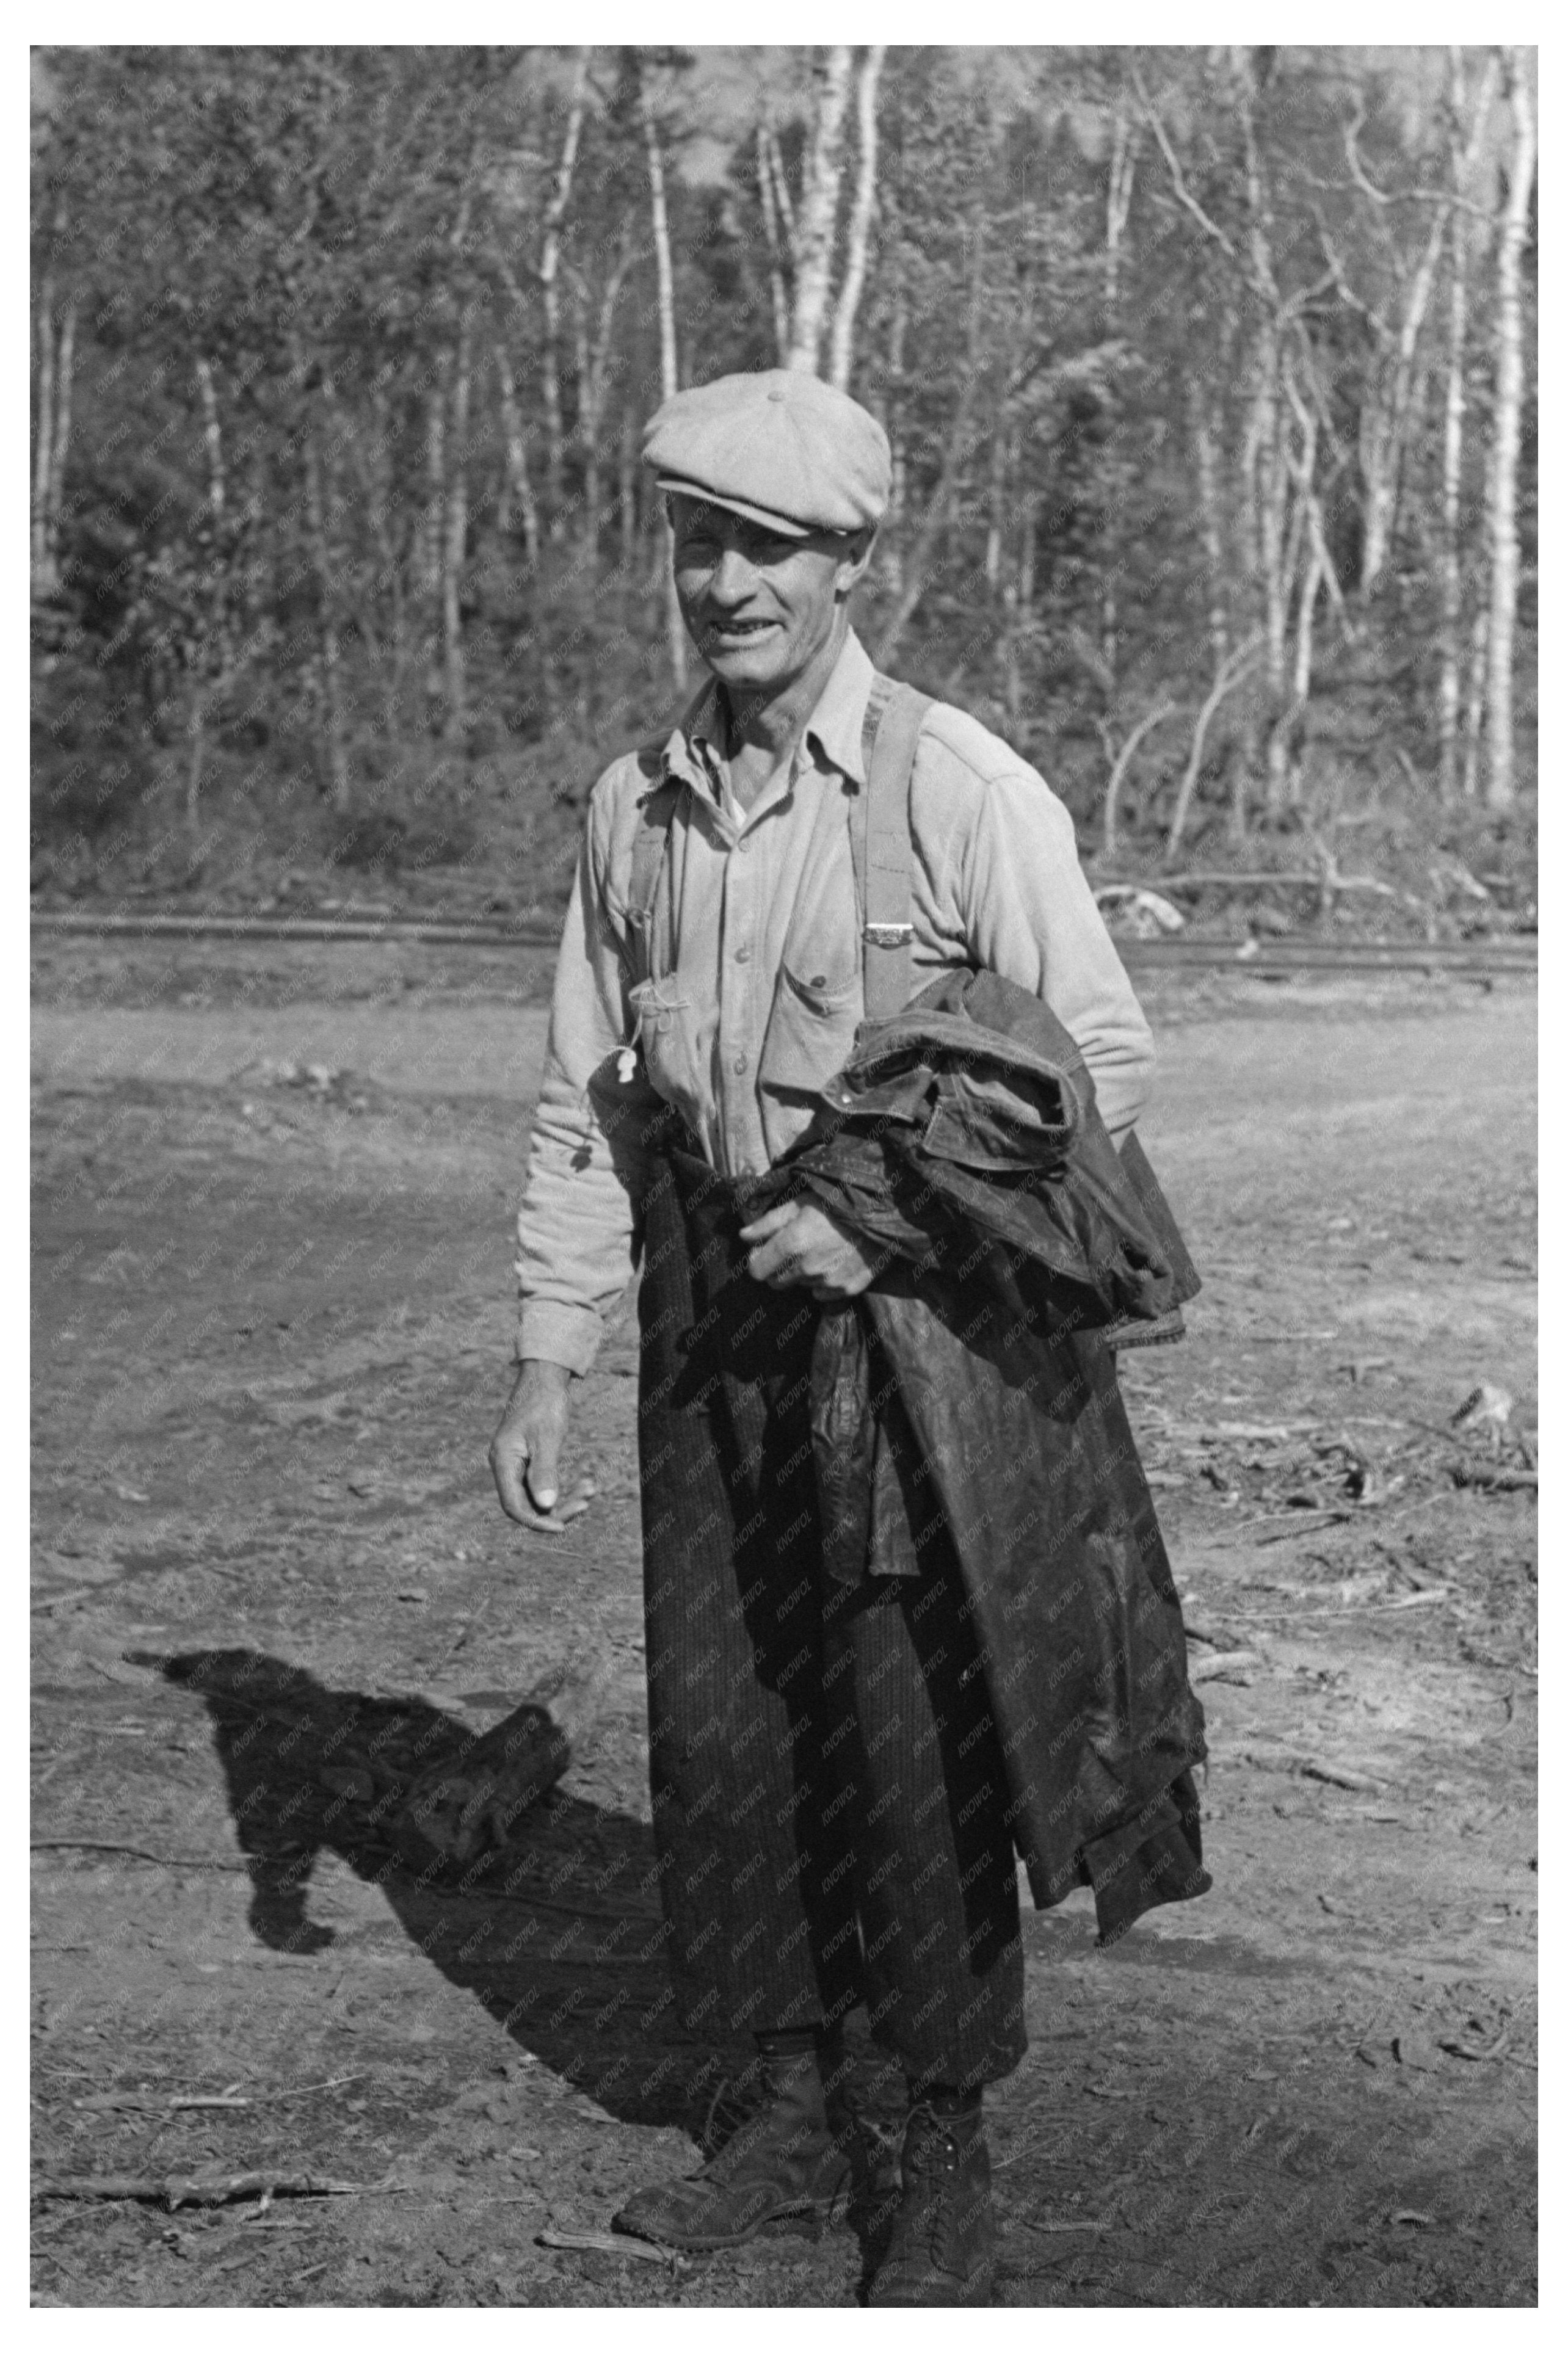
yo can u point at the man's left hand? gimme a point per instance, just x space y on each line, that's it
796 1244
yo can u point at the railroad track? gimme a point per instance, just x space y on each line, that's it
1516 953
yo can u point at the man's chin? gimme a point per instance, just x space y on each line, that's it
764 664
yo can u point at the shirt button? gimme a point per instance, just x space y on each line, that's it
743 956
740 1062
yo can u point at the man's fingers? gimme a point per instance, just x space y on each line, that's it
774 1262
770 1222
552 1523
506 1467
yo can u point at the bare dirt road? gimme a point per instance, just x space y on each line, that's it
271 1319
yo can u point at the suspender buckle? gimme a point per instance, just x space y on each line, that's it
889 935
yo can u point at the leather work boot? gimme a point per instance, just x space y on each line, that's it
786 2159
942 2249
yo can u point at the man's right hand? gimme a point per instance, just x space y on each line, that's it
525 1451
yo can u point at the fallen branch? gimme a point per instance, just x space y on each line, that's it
1487 1474
1220 1662
212 2189
143 1854
603 2243
148 2102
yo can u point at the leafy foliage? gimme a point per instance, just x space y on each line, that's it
340 546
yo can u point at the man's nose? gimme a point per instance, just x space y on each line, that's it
733 580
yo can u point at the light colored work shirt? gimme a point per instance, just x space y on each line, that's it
755 947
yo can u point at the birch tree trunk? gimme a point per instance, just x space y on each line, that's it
669 360
432 533
1271 536
340 792
594 376
893 527
1476 702
455 552
515 444
955 451
842 346
819 212
44 580
1453 476
213 434
64 367
1451 560
1208 516
1503 532
626 500
549 287
1119 205
1390 433
771 233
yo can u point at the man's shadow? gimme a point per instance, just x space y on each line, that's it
560 1937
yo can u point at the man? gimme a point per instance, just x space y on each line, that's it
830 1793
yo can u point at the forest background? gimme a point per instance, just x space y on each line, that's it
1209 376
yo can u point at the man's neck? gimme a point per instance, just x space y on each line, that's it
763 730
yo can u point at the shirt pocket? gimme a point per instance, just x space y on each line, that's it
669 1033
810 1030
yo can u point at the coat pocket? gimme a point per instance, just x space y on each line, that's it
810 1030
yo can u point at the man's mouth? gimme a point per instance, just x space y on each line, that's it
738 630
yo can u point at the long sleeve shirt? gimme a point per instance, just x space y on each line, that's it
754 950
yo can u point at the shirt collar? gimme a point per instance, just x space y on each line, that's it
834 732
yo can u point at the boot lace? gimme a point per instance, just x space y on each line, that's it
928 2213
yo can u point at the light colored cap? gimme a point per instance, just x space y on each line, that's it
782 447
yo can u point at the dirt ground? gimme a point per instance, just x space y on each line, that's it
271 1317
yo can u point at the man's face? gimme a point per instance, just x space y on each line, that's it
759 604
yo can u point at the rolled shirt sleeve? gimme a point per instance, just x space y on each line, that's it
575 1225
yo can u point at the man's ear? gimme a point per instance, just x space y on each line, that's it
855 558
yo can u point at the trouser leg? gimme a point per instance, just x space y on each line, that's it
824 1770
925 1787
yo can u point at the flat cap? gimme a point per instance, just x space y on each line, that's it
780 447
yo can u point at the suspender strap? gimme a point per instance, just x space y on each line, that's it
880 845
648 847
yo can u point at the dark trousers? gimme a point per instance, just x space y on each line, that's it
829 1790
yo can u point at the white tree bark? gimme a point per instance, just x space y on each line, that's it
341 789
1476 702
1503 532
213 434
1453 477
1208 516
770 230
455 552
1390 426
44 580
515 443
861 214
1119 205
549 287
669 358
819 212
1461 235
1228 676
